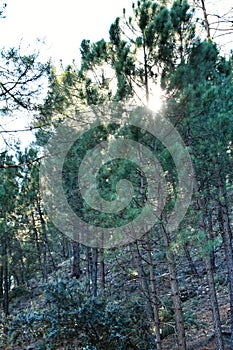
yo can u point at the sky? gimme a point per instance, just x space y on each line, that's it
62 24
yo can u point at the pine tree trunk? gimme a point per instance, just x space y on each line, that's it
143 285
142 279
146 81
5 277
45 267
44 230
66 251
190 260
1 278
210 274
226 237
180 330
88 269
22 278
76 270
211 237
214 305
154 295
209 261
38 247
205 14
102 270
153 292
94 271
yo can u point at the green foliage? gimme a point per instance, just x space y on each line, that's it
70 316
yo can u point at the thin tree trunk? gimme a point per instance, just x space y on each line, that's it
22 278
154 295
201 4
143 284
212 237
210 275
88 269
38 247
209 267
102 270
143 280
214 305
207 25
225 209
154 298
212 290
44 230
226 237
5 277
45 270
76 270
1 278
190 260
181 339
94 271
65 247
146 81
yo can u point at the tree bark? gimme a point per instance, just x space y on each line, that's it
76 270
210 274
38 246
226 237
180 330
5 277
102 270
88 268
144 288
207 25
214 305
146 81
1 278
190 260
154 297
94 271
44 230
153 291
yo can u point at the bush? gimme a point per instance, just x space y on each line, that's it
70 316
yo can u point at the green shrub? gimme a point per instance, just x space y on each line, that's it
71 316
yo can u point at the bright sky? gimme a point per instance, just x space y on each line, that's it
63 24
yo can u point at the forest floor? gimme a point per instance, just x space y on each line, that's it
196 307
200 335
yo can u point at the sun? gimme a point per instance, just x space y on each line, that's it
155 99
